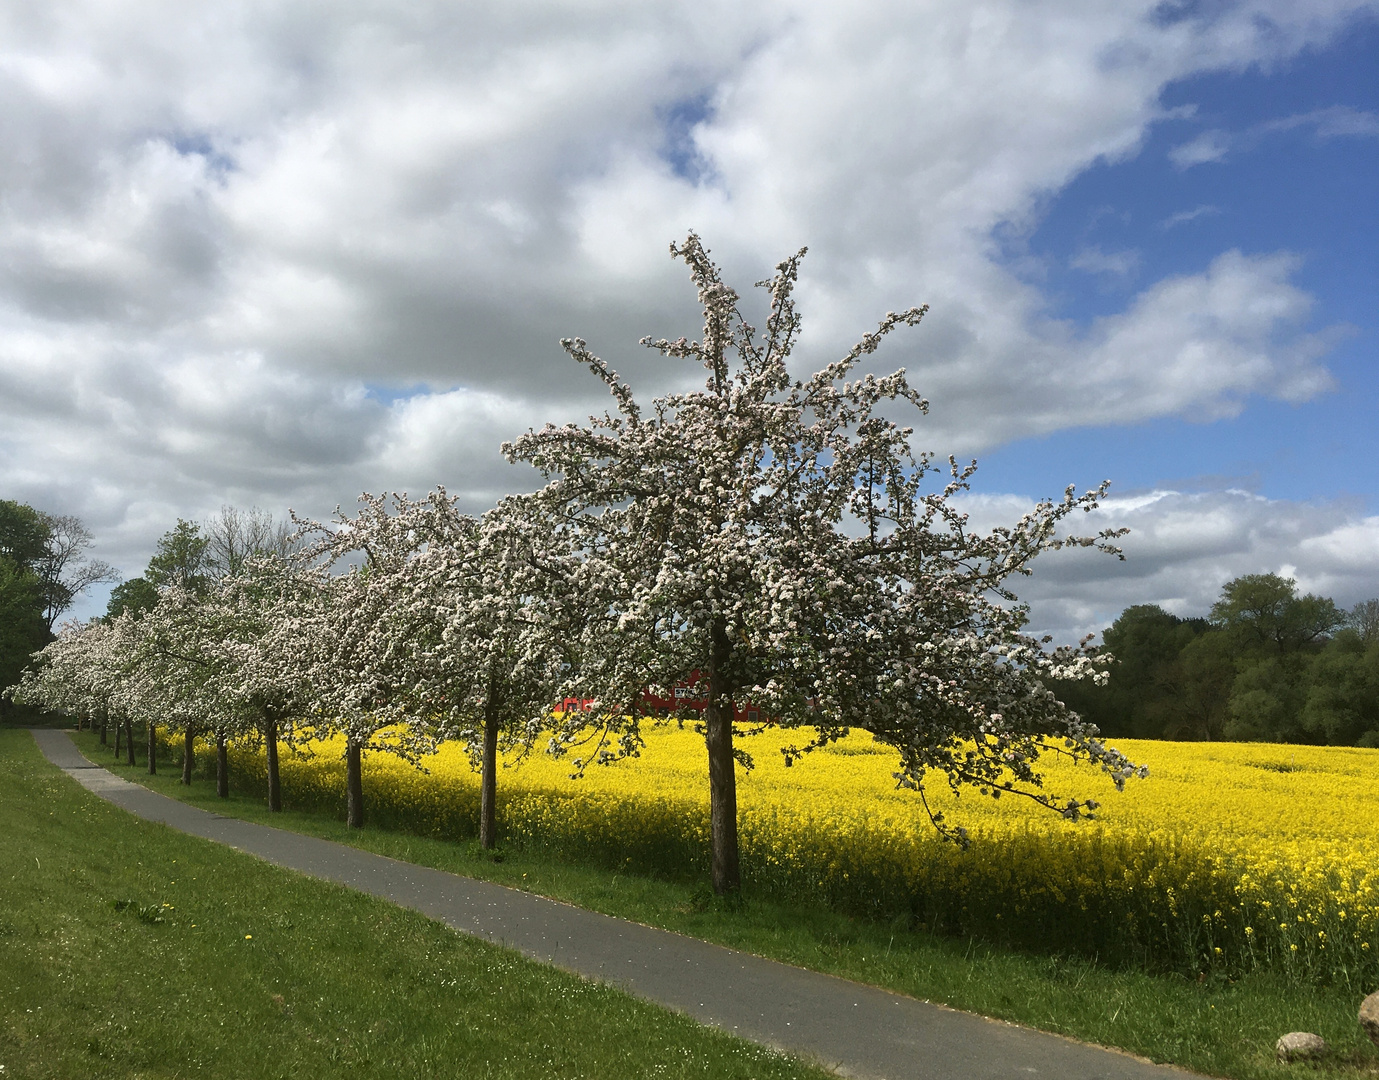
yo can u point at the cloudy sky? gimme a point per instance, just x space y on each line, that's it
276 254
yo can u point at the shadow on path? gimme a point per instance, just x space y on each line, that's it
858 1030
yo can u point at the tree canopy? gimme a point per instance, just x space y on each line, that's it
136 595
1269 664
776 538
182 558
24 533
44 567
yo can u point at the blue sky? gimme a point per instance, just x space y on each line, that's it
276 257
1294 188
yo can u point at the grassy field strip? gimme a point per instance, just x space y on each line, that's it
1216 1027
131 950
858 1030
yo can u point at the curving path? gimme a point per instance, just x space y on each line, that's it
859 1031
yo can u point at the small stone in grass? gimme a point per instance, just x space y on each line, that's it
1369 1017
1301 1046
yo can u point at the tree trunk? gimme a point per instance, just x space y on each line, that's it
129 739
354 786
152 748
104 740
119 730
488 785
222 767
718 735
188 755
275 796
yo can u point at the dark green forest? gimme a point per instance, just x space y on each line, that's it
1266 665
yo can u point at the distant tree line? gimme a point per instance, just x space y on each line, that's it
1265 665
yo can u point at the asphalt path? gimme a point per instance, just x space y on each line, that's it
856 1030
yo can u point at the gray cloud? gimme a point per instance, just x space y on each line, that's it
1183 547
274 256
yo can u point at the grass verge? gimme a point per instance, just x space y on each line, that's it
1223 1029
130 950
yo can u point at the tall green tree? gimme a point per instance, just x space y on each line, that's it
22 629
182 558
1194 691
54 548
24 535
1265 616
1141 696
137 596
1274 635
189 557
1267 697
1269 664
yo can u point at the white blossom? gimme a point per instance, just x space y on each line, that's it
778 536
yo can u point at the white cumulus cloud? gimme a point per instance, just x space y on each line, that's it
1183 546
272 255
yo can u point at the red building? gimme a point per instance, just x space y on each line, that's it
687 695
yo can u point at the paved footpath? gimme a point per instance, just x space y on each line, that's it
857 1030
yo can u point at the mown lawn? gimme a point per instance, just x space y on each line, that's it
1216 1028
130 950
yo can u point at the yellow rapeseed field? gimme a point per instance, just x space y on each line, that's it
1229 857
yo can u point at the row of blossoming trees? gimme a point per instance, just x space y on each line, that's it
772 536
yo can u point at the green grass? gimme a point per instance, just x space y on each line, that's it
1217 1028
131 950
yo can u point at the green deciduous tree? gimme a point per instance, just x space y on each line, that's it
1265 616
1342 700
1270 664
43 569
22 629
1139 697
137 596
182 558
1195 689
24 533
1267 697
